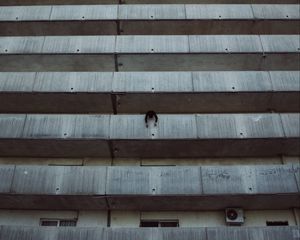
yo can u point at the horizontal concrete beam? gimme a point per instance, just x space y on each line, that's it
137 92
202 135
221 44
217 233
151 12
149 188
234 233
150 53
127 135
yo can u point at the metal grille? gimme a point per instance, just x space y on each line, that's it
67 223
159 223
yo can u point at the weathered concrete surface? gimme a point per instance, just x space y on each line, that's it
150 12
227 233
150 44
97 53
275 179
223 180
137 92
11 126
274 233
154 180
148 19
179 233
27 233
149 189
6 177
127 135
59 180
68 233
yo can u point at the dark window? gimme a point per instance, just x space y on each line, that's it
159 223
149 223
277 223
49 223
58 222
169 224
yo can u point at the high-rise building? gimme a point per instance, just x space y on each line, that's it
149 120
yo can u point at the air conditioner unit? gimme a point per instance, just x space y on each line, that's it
234 216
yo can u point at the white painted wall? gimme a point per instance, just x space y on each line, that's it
125 219
259 218
189 219
32 218
132 218
92 219
202 218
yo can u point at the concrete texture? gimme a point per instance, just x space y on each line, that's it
47 57
137 92
150 19
241 233
188 135
149 44
148 189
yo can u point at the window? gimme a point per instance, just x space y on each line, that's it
159 223
277 223
49 223
58 222
67 223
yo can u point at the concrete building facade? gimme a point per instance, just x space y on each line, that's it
80 158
